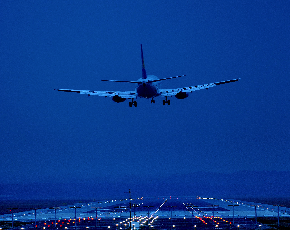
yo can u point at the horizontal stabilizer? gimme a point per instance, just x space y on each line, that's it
145 80
122 81
167 78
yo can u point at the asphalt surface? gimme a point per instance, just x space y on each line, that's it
150 213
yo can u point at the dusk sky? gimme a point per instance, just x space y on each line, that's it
49 136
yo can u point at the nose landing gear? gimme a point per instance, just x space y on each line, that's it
166 101
131 103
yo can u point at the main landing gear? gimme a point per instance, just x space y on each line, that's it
152 101
166 101
131 103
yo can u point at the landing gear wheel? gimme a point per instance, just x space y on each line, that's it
152 101
166 101
131 103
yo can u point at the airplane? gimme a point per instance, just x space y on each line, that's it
147 87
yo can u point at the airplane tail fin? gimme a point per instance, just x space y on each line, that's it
144 75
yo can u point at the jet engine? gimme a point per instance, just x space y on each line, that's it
181 95
118 99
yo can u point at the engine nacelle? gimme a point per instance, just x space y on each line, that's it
118 99
181 95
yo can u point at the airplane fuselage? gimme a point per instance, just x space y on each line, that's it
148 90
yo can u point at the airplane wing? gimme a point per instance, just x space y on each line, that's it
122 94
190 89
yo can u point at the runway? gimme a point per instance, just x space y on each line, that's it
151 212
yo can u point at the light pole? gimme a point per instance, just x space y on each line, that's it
75 215
134 206
192 209
12 220
233 211
256 215
171 215
96 217
130 207
148 213
97 214
278 214
213 208
55 214
12 213
35 217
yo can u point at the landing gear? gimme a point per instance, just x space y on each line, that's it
166 101
152 101
131 103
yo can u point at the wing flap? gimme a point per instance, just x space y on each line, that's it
123 94
190 89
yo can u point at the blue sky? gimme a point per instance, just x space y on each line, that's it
54 136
